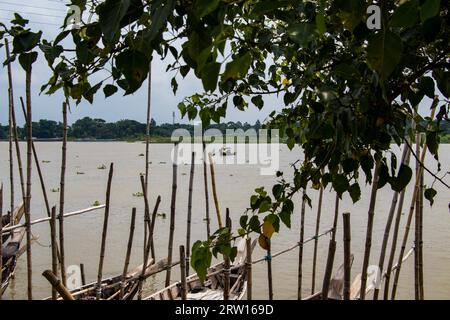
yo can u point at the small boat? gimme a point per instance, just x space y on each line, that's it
226 151
10 253
111 287
17 214
336 290
212 287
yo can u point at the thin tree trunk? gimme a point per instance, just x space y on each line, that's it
205 180
128 254
331 252
216 199
189 215
61 196
172 214
28 193
316 240
104 233
183 274
347 254
248 264
371 214
54 248
387 230
300 247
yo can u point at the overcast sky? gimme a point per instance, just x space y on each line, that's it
47 15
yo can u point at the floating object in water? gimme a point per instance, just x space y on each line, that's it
101 167
46 161
79 172
226 151
162 162
138 194
162 215
141 155
54 190
96 203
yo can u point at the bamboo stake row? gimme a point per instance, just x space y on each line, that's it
248 264
387 230
300 247
205 181
226 269
183 273
316 240
10 137
347 254
1 235
214 189
54 248
16 141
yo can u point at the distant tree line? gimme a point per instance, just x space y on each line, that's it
88 128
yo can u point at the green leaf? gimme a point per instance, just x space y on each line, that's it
27 59
301 33
320 19
109 90
426 84
285 216
258 101
205 7
403 178
277 191
355 192
18 20
159 17
340 184
254 224
110 13
210 76
135 66
26 41
429 194
433 142
406 15
429 9
201 259
243 221
384 53
238 68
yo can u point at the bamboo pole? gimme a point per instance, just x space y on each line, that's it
205 181
1 235
128 254
189 214
61 195
16 142
10 138
147 144
300 247
54 248
387 230
83 274
183 274
28 192
411 209
421 285
147 222
226 263
248 264
269 268
104 233
347 254
213 183
416 227
147 245
371 214
172 212
331 252
57 284
316 240
38 167
66 215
